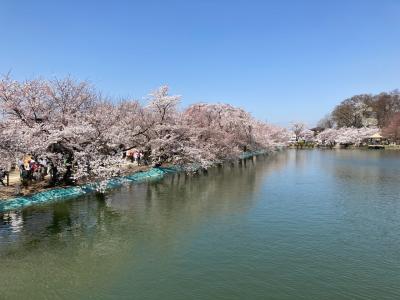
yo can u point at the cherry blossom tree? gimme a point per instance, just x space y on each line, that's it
345 136
328 137
85 136
227 129
50 119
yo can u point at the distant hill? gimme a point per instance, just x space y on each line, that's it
364 110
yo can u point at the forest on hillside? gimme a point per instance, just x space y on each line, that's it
366 110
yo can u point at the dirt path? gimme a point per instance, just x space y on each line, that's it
16 189
14 177
11 190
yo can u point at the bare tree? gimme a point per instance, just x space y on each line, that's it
392 131
297 129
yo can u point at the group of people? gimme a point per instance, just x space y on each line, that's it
36 169
30 169
135 156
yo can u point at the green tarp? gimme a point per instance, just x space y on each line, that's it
59 194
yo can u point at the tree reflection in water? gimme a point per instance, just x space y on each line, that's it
161 203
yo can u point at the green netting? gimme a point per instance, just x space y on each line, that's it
60 194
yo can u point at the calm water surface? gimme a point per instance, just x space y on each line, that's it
298 225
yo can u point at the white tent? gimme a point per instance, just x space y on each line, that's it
376 136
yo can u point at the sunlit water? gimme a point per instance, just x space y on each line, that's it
298 225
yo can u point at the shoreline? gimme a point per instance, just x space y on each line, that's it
9 192
351 147
56 194
69 192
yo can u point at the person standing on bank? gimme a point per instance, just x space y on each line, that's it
3 174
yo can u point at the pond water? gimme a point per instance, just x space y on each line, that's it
296 225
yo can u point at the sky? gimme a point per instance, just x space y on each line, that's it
283 61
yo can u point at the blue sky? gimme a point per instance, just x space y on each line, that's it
281 60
